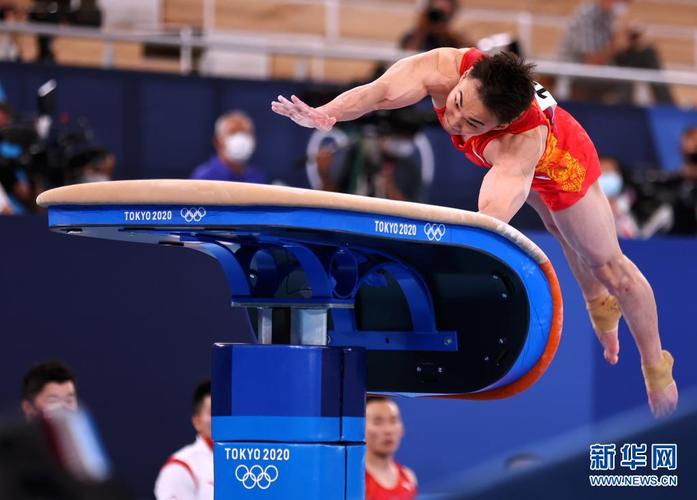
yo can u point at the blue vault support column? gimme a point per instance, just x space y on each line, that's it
288 422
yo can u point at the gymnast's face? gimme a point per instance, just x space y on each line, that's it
465 112
202 419
383 428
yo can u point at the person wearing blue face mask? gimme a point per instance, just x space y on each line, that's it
660 220
234 142
610 180
612 184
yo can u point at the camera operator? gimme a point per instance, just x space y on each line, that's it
31 162
434 28
381 159
45 11
677 190
14 185
75 12
656 216
685 206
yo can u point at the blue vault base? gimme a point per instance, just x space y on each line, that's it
288 471
289 422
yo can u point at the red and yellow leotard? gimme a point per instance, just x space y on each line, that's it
569 164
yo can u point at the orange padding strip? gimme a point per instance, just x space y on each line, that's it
527 380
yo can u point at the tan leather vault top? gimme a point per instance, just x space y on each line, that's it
208 193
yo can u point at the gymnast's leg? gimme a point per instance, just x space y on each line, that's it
602 307
589 228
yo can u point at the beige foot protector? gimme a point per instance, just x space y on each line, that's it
605 313
660 376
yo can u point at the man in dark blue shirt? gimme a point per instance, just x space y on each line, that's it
234 143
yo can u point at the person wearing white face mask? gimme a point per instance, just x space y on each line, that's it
234 142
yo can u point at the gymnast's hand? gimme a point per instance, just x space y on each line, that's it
302 114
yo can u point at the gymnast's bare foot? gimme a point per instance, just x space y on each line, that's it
611 346
663 402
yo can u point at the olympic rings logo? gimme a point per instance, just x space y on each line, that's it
193 214
434 231
256 476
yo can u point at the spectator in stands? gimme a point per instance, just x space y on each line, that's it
384 477
9 45
612 184
48 386
234 143
188 473
434 28
592 37
656 218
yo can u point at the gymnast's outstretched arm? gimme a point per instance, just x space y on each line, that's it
406 82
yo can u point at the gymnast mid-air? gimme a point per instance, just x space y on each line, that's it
536 152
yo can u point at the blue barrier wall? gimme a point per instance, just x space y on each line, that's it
136 322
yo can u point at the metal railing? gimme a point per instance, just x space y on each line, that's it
524 21
304 46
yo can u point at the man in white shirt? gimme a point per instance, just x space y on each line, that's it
188 473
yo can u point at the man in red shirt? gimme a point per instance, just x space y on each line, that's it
385 479
535 152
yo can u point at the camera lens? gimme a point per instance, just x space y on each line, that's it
436 15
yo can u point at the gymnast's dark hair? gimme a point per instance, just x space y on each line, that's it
44 373
377 399
507 87
202 390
